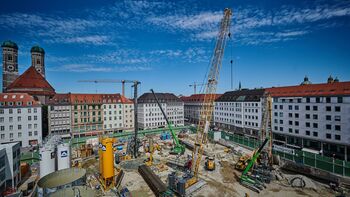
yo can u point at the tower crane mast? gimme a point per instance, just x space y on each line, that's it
206 112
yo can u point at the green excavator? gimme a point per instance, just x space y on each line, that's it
178 148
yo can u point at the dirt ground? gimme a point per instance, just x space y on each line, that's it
223 181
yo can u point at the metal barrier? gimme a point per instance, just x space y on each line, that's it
328 164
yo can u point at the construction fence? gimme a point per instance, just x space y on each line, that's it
313 160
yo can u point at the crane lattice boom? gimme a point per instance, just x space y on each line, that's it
210 91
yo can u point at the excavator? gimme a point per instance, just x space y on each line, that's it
178 149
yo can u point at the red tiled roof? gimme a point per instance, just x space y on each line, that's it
196 98
17 100
324 89
76 98
31 82
126 100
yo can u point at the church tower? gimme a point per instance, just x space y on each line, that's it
9 63
38 62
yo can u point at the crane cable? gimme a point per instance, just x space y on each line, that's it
231 55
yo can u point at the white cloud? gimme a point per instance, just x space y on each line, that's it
81 68
91 39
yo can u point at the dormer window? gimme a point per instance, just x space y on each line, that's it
10 103
29 103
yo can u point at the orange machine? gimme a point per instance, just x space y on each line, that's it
106 155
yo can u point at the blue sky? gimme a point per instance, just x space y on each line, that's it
167 45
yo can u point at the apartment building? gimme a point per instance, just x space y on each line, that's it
313 116
10 175
150 116
20 119
192 106
59 115
239 111
89 114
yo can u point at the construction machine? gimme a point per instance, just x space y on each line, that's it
205 116
178 148
248 180
242 162
210 163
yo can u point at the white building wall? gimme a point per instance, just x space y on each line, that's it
128 116
59 119
113 116
295 116
21 124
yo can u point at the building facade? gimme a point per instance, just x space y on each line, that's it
10 174
79 115
59 115
150 115
240 111
20 119
192 106
313 116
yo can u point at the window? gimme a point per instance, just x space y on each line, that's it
307 124
2 136
290 115
11 135
337 118
281 128
29 126
296 115
307 116
10 119
318 99
340 99
296 107
29 110
18 111
1 119
296 131
19 118
337 137
1 111
11 127
328 108
337 108
328 117
328 99
275 106
30 133
315 116
35 110
315 125
337 127
281 114
299 100
308 100
35 133
307 133
19 127
35 126
19 134
2 128
290 130
315 134
307 107
328 136
281 106
328 126
290 107
35 117
10 111
290 122
296 123
29 118
314 108
281 121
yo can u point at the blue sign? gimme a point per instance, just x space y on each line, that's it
64 153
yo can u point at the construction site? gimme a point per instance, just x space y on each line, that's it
195 160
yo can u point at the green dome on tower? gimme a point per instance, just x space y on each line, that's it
37 49
10 44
